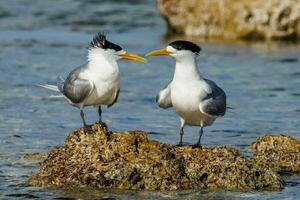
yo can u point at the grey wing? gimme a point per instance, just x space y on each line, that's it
214 103
116 98
75 88
60 82
163 98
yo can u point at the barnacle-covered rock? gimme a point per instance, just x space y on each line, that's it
232 19
34 156
128 160
279 152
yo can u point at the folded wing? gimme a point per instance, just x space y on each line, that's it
163 98
76 88
214 104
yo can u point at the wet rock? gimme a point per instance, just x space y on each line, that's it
35 156
33 159
279 152
232 19
129 160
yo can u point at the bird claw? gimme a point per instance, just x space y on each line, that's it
103 124
87 129
197 145
179 144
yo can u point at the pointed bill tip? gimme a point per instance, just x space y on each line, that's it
133 57
159 52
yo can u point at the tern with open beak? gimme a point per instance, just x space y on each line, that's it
97 82
197 101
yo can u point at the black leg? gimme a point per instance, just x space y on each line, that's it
82 117
100 114
181 131
100 117
198 144
181 135
85 126
180 144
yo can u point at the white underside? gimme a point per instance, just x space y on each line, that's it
186 99
104 93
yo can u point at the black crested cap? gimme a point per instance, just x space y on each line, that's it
185 45
99 41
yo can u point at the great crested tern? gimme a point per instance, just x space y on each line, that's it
97 82
197 101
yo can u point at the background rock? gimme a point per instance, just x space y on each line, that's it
128 160
232 19
279 152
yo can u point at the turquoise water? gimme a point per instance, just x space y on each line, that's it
42 39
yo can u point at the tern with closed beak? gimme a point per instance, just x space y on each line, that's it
198 101
97 82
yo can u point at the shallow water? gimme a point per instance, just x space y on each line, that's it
48 38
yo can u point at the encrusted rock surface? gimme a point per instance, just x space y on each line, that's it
128 160
279 152
35 156
233 19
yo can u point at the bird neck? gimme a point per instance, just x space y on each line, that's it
99 59
186 69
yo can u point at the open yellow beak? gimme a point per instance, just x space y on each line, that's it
134 57
159 52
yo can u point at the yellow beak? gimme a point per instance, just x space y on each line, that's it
134 57
159 52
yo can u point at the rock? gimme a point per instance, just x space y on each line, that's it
128 160
232 19
35 156
279 152
33 159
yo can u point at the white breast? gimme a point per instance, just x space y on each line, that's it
186 97
104 75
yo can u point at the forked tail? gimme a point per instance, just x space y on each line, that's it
58 90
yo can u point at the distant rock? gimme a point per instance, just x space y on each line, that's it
233 19
128 160
279 152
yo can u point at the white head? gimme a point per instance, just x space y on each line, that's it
100 48
180 50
